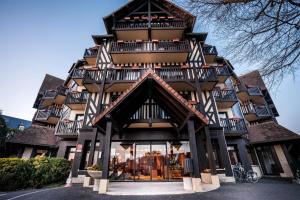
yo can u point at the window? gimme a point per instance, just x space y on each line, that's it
79 117
223 115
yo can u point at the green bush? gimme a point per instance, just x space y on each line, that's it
16 173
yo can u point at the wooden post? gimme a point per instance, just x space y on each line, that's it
193 147
106 153
211 161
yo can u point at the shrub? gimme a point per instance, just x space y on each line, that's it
16 173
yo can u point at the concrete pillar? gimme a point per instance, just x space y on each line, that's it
103 186
197 185
96 185
87 181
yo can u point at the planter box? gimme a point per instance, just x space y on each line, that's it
95 174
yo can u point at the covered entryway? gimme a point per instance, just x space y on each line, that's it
147 158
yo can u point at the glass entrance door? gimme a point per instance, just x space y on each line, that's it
151 162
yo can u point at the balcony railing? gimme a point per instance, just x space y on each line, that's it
175 73
209 50
150 111
46 113
77 97
206 74
125 74
222 71
161 46
78 73
224 95
254 91
144 25
262 111
233 125
131 25
69 127
90 52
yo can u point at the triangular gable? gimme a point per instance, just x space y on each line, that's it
139 4
164 85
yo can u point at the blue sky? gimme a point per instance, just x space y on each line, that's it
39 37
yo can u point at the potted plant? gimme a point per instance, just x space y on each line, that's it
95 172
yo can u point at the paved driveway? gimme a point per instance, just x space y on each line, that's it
268 190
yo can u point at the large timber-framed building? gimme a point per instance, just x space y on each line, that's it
152 93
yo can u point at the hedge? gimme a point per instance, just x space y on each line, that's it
17 173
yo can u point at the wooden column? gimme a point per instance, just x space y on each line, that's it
106 153
193 147
211 160
224 154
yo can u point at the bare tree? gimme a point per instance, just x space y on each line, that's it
263 33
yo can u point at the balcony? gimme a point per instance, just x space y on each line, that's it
78 75
51 97
68 129
223 73
234 127
160 29
77 100
210 53
225 98
90 55
254 112
92 78
49 116
150 52
251 93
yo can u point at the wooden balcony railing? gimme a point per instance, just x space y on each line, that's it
66 127
90 52
209 50
233 125
161 46
144 25
254 91
77 97
50 112
167 73
150 111
131 25
224 95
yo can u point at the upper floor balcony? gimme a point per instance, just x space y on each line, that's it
253 112
77 75
90 55
77 100
249 93
51 97
177 76
233 126
68 128
225 98
210 53
161 29
223 73
150 52
50 115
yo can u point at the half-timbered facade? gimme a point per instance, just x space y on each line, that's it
152 101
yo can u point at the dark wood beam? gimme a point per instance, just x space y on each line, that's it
185 121
106 153
193 147
211 160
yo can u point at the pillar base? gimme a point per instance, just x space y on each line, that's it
103 186
215 180
87 181
96 185
197 185
206 178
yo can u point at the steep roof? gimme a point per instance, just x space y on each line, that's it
269 132
253 79
151 74
49 83
35 135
